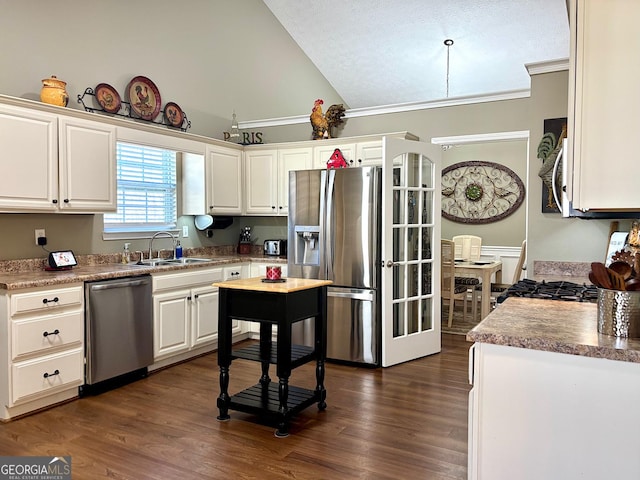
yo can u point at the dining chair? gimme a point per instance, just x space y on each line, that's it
497 288
449 289
468 247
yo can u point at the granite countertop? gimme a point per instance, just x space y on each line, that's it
18 274
553 326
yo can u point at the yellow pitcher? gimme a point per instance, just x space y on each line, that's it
54 92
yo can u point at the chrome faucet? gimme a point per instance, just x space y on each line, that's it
165 234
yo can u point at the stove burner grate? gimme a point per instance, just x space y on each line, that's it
560 290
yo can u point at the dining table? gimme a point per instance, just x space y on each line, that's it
483 270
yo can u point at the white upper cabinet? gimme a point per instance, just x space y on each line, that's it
290 159
87 166
56 163
224 176
603 119
29 160
267 178
261 181
323 152
212 183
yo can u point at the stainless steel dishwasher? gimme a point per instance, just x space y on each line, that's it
118 328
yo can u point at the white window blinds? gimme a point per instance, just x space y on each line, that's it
146 179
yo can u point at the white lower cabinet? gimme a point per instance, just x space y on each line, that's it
43 355
185 313
540 415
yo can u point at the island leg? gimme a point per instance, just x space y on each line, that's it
223 398
224 355
321 347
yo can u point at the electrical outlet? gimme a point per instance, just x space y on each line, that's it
185 231
39 233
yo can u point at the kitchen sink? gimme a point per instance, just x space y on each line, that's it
158 262
187 260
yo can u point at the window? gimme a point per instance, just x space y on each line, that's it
146 184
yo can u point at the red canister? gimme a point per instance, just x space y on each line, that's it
274 272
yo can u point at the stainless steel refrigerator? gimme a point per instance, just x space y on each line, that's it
334 233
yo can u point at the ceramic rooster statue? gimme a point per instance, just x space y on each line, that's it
323 123
548 151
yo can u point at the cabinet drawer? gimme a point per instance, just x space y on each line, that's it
39 335
45 300
180 280
28 378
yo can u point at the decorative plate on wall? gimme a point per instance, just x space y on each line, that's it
144 97
173 114
480 192
107 97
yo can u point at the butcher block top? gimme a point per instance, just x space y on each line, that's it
287 286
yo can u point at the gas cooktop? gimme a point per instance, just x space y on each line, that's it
562 290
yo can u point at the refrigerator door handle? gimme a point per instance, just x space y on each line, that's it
356 294
329 219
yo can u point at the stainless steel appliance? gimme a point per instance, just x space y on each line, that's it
334 233
118 328
275 247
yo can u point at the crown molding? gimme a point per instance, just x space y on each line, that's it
397 108
480 138
548 66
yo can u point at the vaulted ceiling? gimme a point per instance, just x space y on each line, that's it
377 53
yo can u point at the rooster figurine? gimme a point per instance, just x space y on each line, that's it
323 123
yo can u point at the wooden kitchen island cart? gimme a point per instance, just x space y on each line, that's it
281 304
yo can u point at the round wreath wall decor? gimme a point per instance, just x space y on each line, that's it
480 192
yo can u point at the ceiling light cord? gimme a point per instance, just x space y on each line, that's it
448 42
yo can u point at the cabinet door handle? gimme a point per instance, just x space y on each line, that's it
273 207
195 297
66 200
189 298
54 299
47 375
55 332
54 200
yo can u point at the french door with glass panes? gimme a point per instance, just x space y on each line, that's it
410 251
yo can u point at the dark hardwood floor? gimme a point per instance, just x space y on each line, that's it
404 422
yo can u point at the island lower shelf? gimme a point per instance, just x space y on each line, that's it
300 354
260 399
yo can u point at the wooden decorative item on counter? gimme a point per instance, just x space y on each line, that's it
54 92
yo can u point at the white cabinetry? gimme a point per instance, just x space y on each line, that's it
57 163
604 75
212 184
87 166
42 359
360 152
185 312
224 177
536 414
267 178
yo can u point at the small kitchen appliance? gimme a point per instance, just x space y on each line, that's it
275 248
